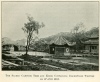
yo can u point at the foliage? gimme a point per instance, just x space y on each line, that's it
93 31
78 32
40 46
30 29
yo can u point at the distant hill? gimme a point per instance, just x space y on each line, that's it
6 40
20 42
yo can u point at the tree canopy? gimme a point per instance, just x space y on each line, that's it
30 29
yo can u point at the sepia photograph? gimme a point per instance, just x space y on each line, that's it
49 36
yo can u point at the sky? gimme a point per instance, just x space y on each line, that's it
57 17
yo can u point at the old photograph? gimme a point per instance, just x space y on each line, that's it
50 36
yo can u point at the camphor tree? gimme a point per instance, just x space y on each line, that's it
78 35
30 28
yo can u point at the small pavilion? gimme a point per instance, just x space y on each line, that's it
59 46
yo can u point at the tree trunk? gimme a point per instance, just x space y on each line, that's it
27 46
26 50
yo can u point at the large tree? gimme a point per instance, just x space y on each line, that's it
78 33
30 29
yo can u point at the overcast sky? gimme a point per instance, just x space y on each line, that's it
57 17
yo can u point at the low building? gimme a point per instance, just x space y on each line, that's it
92 45
59 46
13 47
8 47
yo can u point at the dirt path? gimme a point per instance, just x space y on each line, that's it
63 69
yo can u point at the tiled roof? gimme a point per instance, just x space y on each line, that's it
92 42
60 40
94 36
